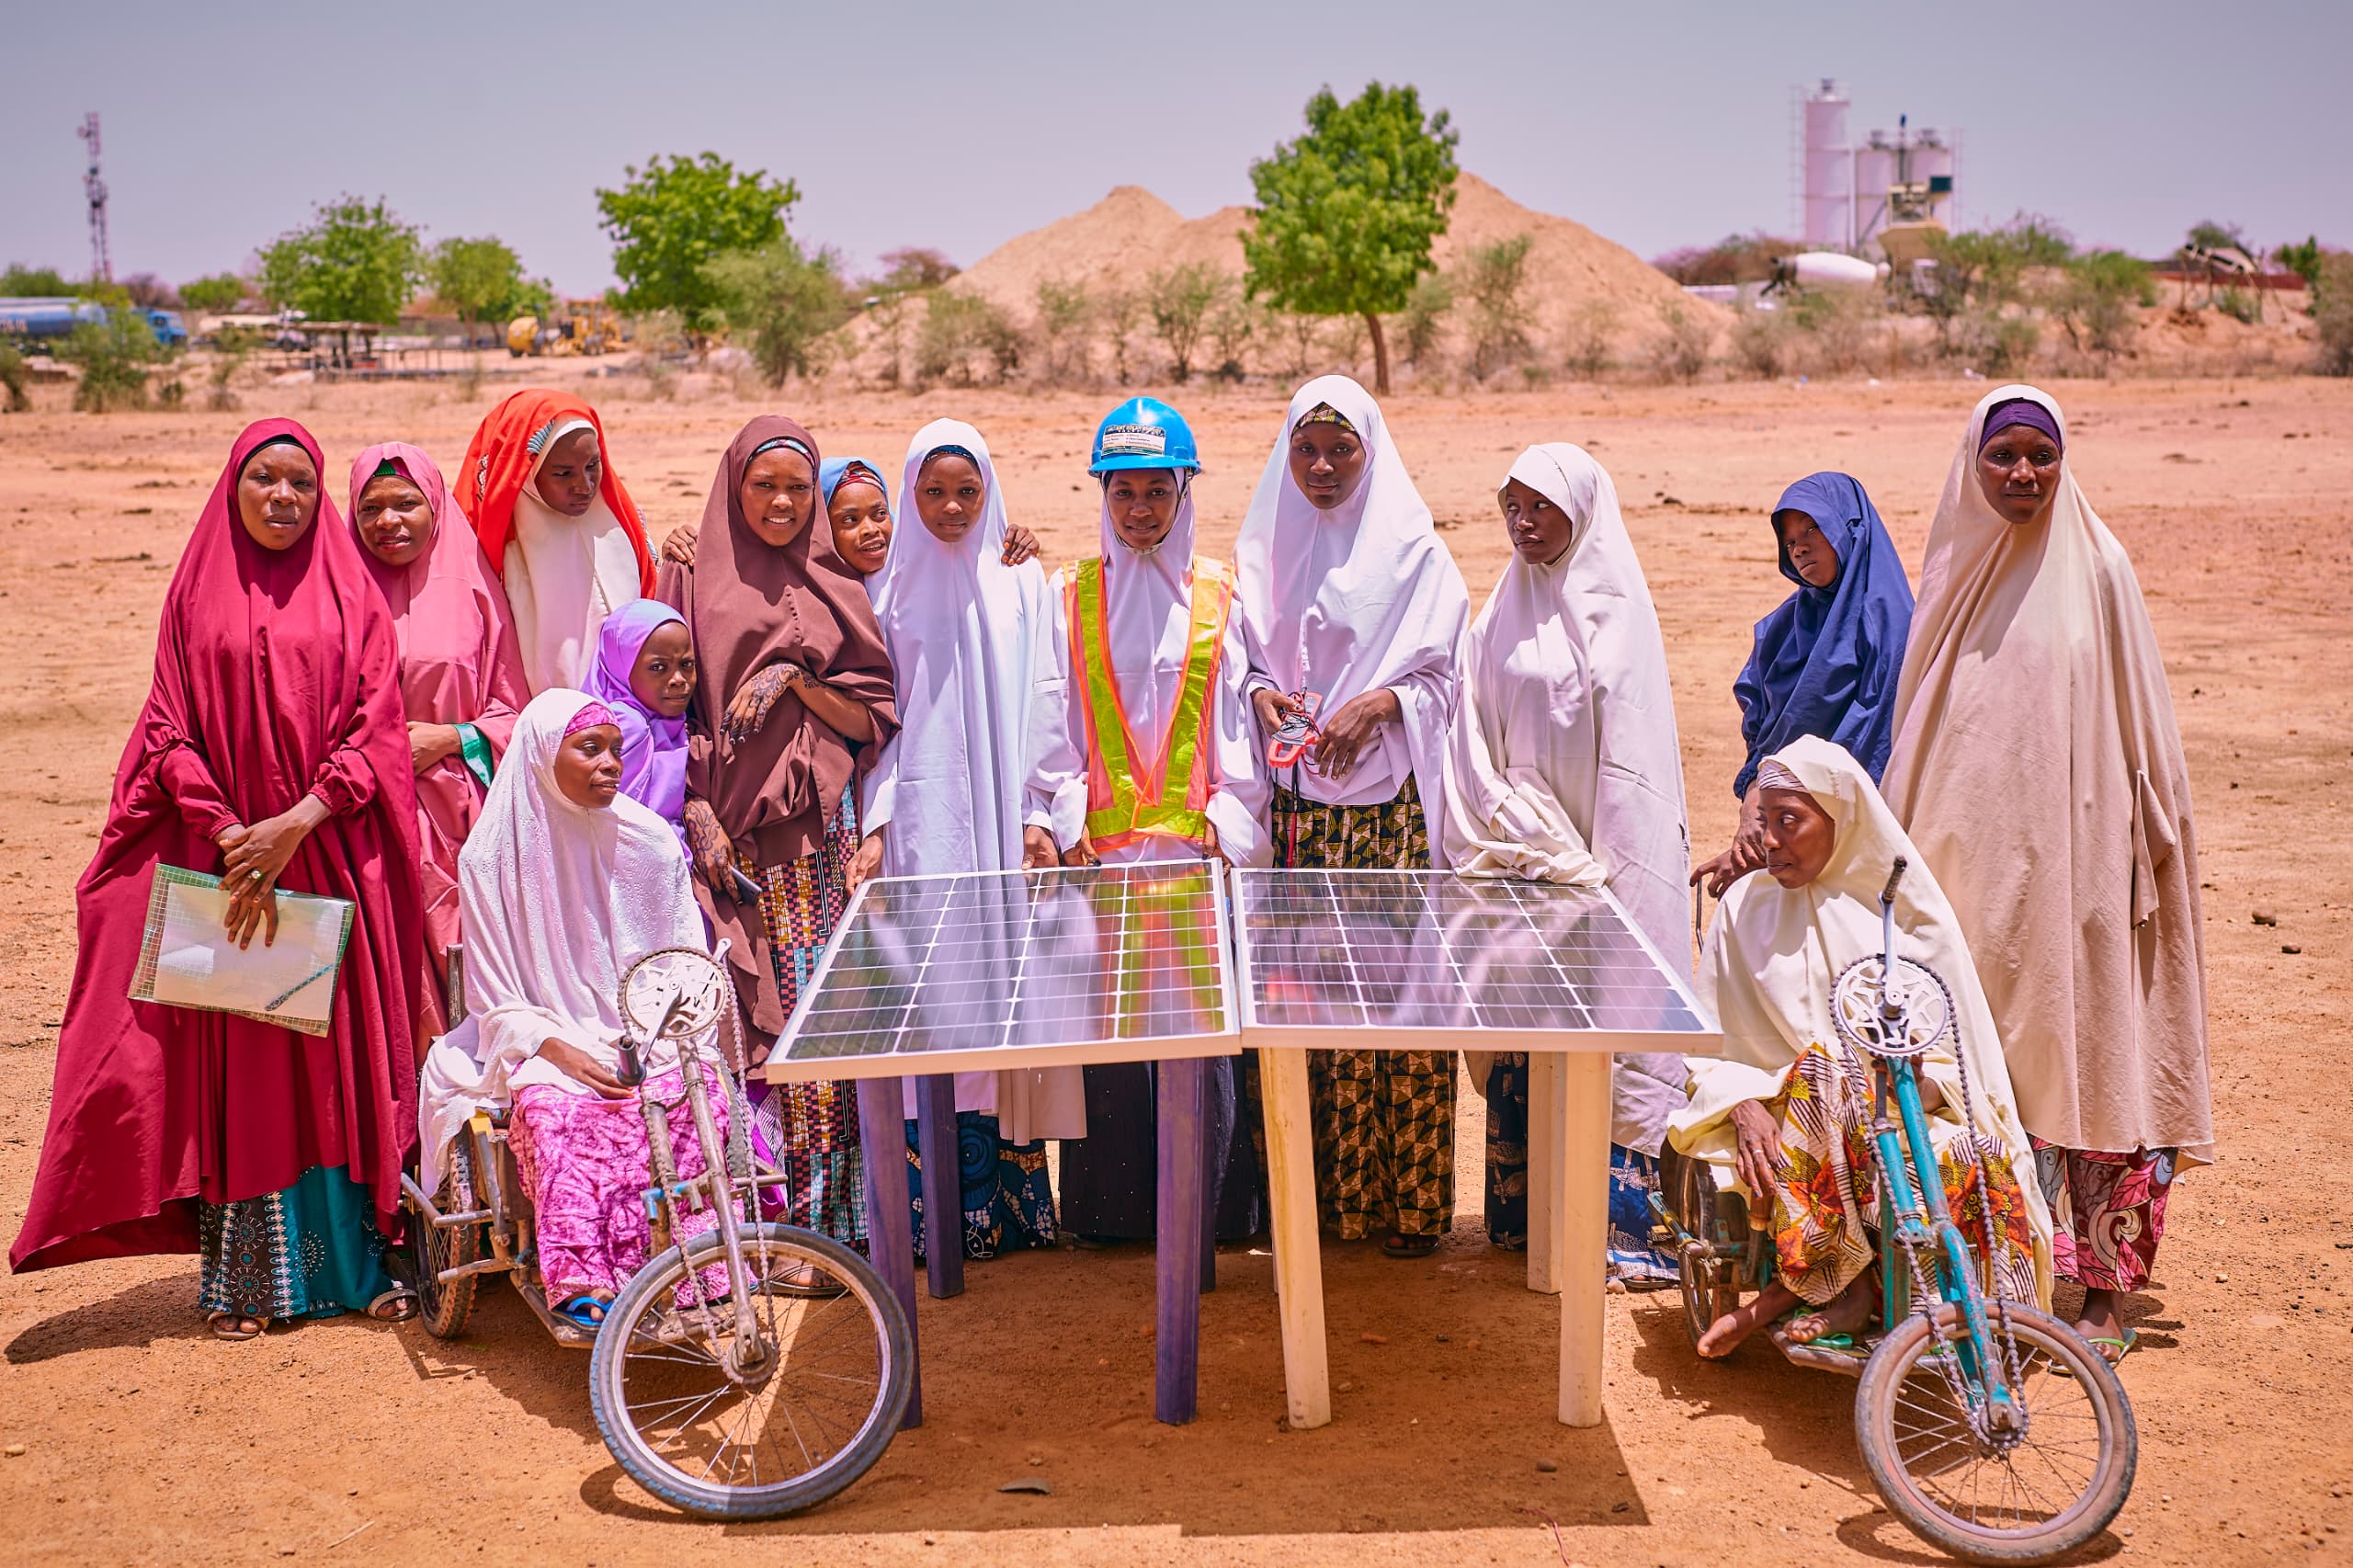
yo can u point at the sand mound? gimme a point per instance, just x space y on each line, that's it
1122 239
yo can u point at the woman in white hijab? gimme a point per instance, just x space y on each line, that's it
1565 741
1355 614
968 783
1786 1112
1159 716
564 883
2038 767
558 527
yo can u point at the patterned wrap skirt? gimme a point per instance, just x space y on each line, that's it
1826 1199
1383 1120
810 1130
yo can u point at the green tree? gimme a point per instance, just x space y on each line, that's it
1181 299
785 302
1348 212
2097 304
114 356
2303 259
35 282
216 295
675 217
960 330
480 280
14 379
356 261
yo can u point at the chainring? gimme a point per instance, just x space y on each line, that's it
1922 1000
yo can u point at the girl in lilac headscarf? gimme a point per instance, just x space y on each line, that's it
646 673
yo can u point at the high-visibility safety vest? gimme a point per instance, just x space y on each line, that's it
1127 786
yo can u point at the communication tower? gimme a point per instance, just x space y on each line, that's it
101 263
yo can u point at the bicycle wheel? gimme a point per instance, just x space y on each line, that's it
752 1430
2037 1498
442 1306
1701 1270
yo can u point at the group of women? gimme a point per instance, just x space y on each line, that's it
609 752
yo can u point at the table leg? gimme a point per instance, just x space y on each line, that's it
882 1132
1585 1232
943 1188
1213 1162
1299 1269
1176 1243
1545 1111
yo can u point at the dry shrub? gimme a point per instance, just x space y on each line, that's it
2333 314
1587 336
1760 341
1837 327
1680 351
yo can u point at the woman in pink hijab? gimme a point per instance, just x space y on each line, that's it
461 675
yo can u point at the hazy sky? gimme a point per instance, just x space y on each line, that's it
1658 124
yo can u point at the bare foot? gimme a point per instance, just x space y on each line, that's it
1846 1314
1724 1335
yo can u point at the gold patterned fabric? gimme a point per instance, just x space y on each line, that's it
1383 1120
1826 1194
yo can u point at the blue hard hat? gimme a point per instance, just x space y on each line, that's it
1143 432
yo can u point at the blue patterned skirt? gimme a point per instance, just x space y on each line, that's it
309 1250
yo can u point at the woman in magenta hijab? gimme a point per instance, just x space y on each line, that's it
272 750
462 675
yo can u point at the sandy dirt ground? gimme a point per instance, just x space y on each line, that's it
129 1435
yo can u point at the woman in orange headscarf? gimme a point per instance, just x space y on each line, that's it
558 527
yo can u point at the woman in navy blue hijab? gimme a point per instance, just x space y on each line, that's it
1827 660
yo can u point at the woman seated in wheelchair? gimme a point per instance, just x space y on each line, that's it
564 883
1784 1116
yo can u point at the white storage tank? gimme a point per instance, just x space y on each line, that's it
1829 190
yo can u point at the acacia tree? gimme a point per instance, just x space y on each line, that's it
1346 213
675 217
1180 301
480 280
356 261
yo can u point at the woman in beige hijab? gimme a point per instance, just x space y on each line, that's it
2038 766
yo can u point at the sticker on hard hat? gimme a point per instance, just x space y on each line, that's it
1136 441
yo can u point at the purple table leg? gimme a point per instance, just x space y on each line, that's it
882 1131
1177 1244
943 1189
1213 1162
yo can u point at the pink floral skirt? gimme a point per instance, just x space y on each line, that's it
586 1161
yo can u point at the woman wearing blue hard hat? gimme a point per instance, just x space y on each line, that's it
1163 765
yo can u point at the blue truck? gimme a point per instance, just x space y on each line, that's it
35 320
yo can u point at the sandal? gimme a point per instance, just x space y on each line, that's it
2123 1343
1397 1245
576 1309
395 1305
231 1325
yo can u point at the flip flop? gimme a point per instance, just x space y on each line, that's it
1409 1246
2123 1343
575 1309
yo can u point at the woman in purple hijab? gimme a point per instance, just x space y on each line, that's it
646 673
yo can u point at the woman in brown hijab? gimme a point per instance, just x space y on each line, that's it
792 701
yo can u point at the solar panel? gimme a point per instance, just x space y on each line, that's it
1005 969
1365 960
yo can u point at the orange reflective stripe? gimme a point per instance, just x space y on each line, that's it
1126 802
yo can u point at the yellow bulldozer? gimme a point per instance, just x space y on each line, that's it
573 326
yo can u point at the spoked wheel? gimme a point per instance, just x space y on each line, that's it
443 1307
731 1429
2039 1496
1710 1290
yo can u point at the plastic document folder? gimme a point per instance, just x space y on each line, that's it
188 960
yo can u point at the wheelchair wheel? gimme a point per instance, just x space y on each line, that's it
443 1307
1709 1282
749 1429
2029 1500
